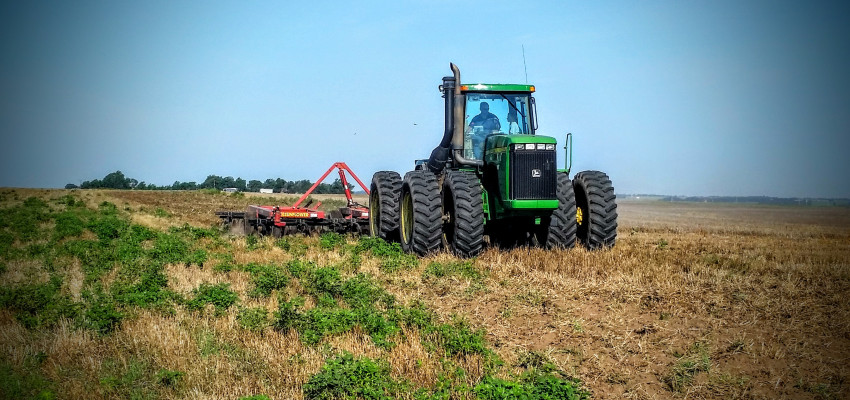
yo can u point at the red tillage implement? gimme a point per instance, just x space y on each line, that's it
279 220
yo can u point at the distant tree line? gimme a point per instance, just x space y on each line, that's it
117 180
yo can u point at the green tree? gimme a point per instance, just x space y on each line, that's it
240 184
254 185
116 180
213 182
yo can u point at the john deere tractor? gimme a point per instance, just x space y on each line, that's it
492 177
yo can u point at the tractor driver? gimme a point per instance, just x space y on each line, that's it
482 125
486 119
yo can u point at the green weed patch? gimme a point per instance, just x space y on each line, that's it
135 380
682 373
465 269
23 221
253 319
331 240
27 382
532 385
101 314
346 377
265 279
391 255
37 305
219 296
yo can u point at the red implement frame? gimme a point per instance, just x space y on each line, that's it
342 168
273 219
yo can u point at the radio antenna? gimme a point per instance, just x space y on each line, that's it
523 64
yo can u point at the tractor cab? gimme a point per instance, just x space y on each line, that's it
493 110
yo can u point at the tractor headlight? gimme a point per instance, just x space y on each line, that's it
520 146
541 146
550 147
529 146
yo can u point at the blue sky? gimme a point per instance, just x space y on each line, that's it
667 97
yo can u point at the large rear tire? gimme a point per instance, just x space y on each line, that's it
596 209
420 213
463 212
559 230
383 205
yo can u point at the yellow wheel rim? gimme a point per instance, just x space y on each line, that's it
374 212
579 215
406 218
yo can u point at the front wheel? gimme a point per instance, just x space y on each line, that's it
559 229
463 212
420 213
596 209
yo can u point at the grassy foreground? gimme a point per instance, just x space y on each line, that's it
119 294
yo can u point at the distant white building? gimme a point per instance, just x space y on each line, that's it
230 190
266 190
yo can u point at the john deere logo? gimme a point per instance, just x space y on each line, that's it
535 173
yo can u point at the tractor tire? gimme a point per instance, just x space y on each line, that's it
463 212
596 210
421 222
559 230
383 205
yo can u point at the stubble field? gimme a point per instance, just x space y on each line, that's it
124 294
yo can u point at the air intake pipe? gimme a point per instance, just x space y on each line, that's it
440 154
458 122
453 132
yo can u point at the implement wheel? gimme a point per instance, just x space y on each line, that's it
463 213
383 205
420 213
596 209
559 230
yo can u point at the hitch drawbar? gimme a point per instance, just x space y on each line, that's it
280 220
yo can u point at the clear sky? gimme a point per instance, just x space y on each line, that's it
676 97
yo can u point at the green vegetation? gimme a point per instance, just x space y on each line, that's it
133 254
168 378
122 268
391 255
253 319
265 279
26 383
694 361
37 305
465 269
531 385
346 376
349 377
134 380
219 296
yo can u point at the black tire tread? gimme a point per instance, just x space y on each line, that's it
561 229
602 209
386 188
427 220
468 236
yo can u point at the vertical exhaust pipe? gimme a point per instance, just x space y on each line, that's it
457 138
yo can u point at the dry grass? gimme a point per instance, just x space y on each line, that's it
695 301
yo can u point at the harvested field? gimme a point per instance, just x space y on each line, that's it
694 301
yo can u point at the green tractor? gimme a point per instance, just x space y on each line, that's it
493 179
